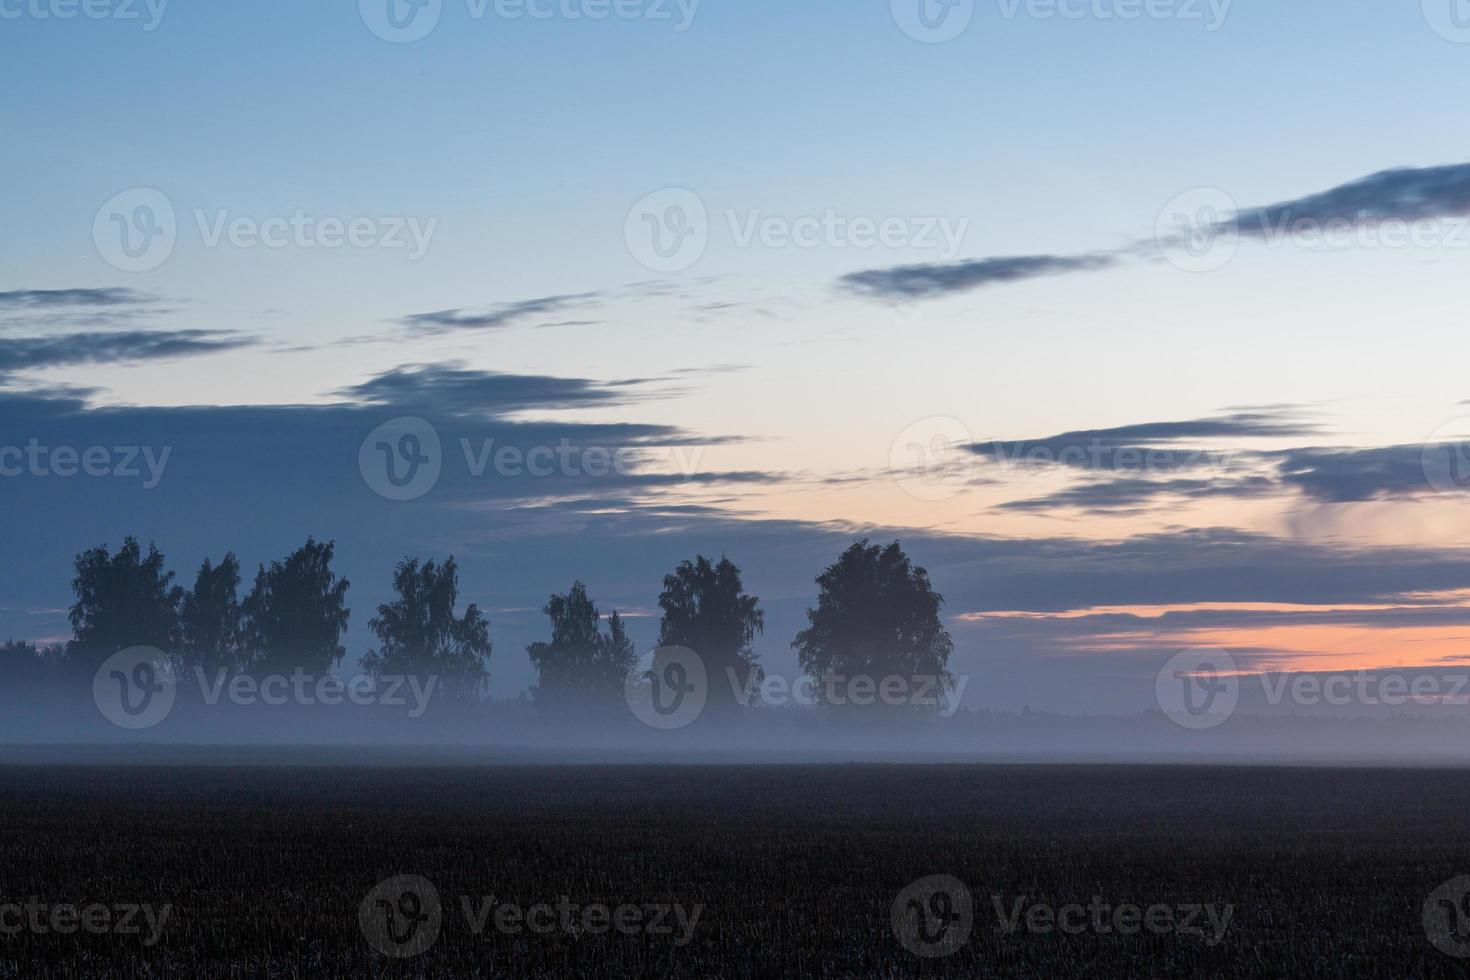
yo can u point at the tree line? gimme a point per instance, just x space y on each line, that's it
876 615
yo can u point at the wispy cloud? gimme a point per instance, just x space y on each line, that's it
454 389
496 317
1150 445
34 353
1405 194
50 298
920 281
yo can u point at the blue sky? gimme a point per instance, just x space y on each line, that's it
519 146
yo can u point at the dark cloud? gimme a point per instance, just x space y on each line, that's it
505 315
921 281
1132 454
48 298
454 390
1354 475
1148 446
1405 194
1130 496
32 353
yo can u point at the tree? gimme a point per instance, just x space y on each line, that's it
877 616
295 614
211 635
123 600
581 667
619 656
418 633
23 667
706 610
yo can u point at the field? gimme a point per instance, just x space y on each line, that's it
732 871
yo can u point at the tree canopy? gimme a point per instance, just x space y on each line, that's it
705 608
876 615
419 634
580 666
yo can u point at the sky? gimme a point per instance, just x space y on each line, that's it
1136 322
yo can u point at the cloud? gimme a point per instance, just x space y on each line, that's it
454 390
498 317
34 353
1341 476
922 281
48 298
1147 446
1129 455
1130 496
1405 194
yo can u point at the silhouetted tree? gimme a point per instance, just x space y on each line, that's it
876 616
619 655
706 610
123 600
23 667
211 635
418 633
295 614
581 667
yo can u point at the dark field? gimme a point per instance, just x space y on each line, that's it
797 868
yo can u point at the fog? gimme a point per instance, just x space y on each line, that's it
63 723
